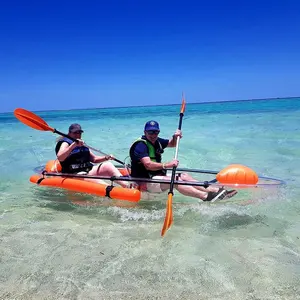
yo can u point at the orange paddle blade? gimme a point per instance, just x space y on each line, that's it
32 120
182 106
169 216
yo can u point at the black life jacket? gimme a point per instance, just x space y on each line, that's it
154 151
77 161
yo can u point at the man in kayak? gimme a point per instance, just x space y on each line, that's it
146 162
75 157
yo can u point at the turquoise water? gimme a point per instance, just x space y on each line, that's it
246 248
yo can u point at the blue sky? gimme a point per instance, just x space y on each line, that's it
65 55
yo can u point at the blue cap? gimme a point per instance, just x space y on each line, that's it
151 125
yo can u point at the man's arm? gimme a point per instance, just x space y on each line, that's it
155 166
173 139
141 153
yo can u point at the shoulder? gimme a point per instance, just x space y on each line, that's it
164 142
139 150
137 143
140 145
59 144
62 142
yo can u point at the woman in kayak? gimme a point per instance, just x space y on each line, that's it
146 162
75 157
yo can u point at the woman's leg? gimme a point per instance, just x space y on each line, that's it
108 169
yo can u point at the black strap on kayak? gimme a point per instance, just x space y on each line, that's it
42 178
108 190
208 183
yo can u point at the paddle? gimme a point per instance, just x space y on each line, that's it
169 213
32 120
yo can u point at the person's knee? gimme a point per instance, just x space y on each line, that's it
184 177
107 167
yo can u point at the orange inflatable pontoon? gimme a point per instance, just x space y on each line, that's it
84 186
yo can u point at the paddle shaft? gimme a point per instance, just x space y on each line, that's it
75 140
176 155
169 214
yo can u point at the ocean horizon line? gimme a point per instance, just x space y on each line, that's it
170 104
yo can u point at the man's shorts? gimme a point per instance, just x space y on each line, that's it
155 187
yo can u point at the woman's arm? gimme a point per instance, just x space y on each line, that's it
99 159
65 150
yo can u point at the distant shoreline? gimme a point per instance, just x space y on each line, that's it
206 102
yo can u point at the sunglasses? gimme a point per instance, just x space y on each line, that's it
77 132
153 131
